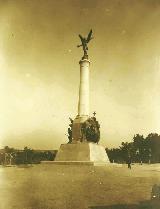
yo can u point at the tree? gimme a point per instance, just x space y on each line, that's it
153 145
28 153
140 147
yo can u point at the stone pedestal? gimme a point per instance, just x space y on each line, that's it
76 129
81 153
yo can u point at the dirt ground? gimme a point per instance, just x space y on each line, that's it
78 187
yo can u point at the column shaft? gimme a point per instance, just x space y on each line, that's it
83 104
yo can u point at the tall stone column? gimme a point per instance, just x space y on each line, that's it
83 104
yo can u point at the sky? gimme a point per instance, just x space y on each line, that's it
39 65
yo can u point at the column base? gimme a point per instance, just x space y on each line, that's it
82 152
76 129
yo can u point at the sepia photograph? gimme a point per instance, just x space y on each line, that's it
80 104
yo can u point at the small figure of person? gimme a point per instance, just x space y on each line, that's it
129 162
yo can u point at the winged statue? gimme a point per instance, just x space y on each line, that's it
84 42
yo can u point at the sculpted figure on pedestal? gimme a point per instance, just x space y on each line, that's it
91 130
84 42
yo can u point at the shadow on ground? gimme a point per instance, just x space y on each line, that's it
141 205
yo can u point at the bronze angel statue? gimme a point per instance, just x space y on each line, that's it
84 42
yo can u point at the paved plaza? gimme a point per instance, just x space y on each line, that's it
76 187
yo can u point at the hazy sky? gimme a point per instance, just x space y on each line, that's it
40 70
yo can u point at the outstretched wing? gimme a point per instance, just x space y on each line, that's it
89 36
82 39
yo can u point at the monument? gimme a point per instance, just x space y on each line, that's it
83 131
